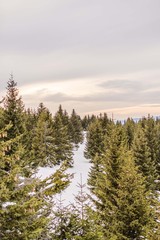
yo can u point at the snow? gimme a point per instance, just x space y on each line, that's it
45 172
6 204
79 170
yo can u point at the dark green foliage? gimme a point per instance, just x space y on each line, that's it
1 117
63 145
152 140
143 158
129 129
120 195
134 217
96 134
150 133
43 143
95 171
63 115
24 202
75 129
95 138
85 122
20 205
148 124
158 150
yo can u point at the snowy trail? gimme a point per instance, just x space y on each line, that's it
81 168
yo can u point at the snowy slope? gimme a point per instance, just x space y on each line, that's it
81 168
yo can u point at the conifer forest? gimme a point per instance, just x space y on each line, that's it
124 178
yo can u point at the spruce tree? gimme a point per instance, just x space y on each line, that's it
43 142
150 132
129 129
63 145
158 151
88 229
85 123
135 215
95 140
118 187
64 223
104 184
1 117
143 158
25 203
75 129
77 220
13 109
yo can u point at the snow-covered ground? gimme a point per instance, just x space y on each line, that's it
80 170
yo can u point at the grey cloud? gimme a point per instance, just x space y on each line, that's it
135 88
59 97
134 97
121 84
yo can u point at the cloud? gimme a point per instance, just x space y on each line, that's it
132 96
120 84
59 97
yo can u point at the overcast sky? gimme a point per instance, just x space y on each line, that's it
91 55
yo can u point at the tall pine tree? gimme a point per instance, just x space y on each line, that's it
63 145
119 192
13 109
24 202
43 143
143 158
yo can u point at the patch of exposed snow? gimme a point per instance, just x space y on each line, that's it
80 169
6 204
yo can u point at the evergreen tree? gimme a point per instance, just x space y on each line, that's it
85 122
24 202
13 109
129 129
96 134
76 221
75 129
63 145
158 150
64 223
88 229
143 158
63 115
150 133
1 117
95 140
104 181
134 216
95 171
117 186
27 140
105 121
65 118
42 109
43 143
